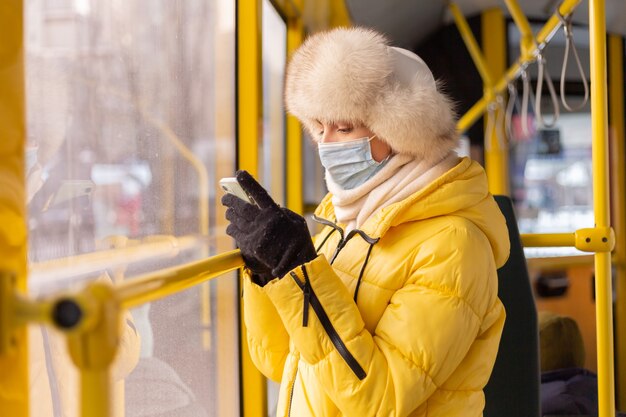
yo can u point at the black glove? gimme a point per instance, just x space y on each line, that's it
274 236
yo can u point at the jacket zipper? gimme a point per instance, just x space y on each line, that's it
293 387
314 302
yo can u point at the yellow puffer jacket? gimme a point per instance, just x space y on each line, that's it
406 321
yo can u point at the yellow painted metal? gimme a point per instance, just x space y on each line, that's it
249 99
339 15
250 91
472 115
93 349
472 45
496 150
618 197
527 38
554 23
600 161
150 287
27 311
534 240
595 239
13 239
295 34
289 9
544 35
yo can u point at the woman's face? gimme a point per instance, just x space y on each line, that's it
345 132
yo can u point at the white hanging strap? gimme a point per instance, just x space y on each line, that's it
511 105
495 123
490 123
569 41
500 122
525 93
541 69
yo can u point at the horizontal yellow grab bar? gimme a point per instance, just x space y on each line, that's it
156 285
111 258
591 239
537 240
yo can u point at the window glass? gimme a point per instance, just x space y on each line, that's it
130 117
551 166
552 178
272 151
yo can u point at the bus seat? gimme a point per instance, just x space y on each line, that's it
513 389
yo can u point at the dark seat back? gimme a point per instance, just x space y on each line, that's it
513 389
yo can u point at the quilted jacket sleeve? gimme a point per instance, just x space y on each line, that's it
423 335
268 341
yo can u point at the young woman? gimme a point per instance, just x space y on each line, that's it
392 310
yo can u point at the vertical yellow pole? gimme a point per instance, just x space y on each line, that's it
93 349
295 33
496 152
249 124
616 113
600 160
13 237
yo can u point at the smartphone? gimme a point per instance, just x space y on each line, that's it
232 186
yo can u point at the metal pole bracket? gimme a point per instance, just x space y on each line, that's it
595 239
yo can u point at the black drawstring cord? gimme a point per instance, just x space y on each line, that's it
328 223
324 240
372 241
358 282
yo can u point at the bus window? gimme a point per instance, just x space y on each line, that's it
131 119
272 147
550 166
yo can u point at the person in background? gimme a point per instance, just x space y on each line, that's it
392 309
566 386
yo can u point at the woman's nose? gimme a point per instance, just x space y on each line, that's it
327 136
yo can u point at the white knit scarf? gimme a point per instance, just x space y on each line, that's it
398 179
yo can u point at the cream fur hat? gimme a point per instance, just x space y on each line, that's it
352 75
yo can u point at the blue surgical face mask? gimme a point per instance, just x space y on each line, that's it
349 164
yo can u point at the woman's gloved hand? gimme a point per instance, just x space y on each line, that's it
271 238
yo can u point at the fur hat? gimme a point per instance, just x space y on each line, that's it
352 75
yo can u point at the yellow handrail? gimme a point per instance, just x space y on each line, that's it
250 127
616 114
527 40
295 35
91 318
544 35
472 45
593 239
14 384
538 240
600 163
156 285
